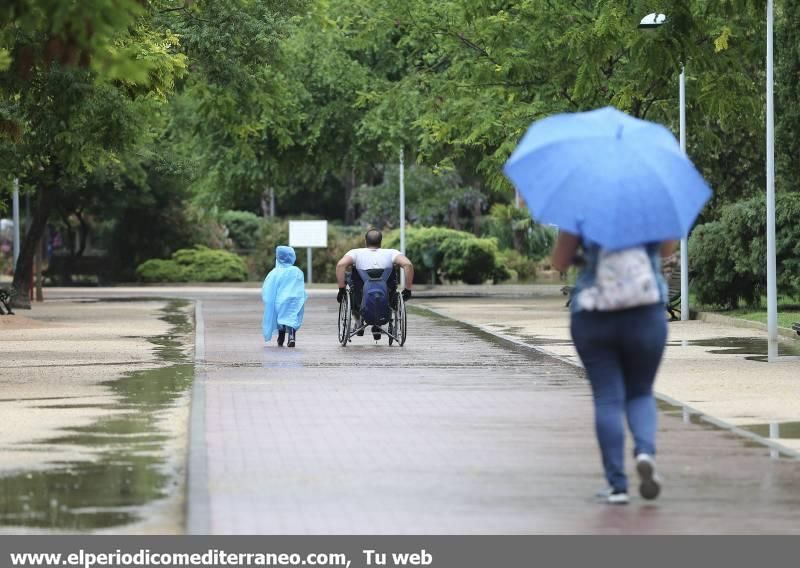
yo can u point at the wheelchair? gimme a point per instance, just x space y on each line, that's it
395 329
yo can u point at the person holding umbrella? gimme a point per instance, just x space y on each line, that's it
621 192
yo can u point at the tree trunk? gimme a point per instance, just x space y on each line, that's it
349 187
265 209
477 217
24 268
271 202
83 234
38 270
69 234
518 238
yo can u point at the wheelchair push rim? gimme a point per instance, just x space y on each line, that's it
344 320
397 328
402 321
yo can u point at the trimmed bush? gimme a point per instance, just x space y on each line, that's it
199 264
202 264
470 260
446 253
159 270
518 266
728 256
715 277
424 249
243 228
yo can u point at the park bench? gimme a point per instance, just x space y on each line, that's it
567 291
672 274
6 296
62 269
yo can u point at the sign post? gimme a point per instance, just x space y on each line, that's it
308 235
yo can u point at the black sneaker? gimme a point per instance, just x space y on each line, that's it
613 496
291 338
376 333
281 337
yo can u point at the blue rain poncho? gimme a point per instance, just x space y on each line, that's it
283 294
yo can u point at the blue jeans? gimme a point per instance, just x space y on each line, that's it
621 352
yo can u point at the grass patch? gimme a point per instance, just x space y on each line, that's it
786 316
788 311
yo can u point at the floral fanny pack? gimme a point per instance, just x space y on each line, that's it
623 279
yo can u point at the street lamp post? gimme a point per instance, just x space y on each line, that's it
684 240
651 21
402 214
772 283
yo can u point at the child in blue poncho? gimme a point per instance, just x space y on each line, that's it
284 297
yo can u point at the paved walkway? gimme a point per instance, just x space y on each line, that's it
454 433
713 367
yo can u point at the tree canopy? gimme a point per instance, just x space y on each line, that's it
132 112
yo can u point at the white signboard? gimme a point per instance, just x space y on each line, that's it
306 234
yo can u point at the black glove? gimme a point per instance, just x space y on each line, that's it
341 294
406 293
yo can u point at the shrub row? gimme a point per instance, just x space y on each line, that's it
199 264
728 256
438 254
442 254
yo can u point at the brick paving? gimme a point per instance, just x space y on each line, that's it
454 433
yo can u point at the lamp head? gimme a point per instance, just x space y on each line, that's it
653 20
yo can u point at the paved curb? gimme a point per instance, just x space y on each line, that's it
711 317
198 510
688 411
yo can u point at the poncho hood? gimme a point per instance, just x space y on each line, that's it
284 256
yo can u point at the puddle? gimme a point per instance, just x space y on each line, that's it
786 430
537 340
130 469
755 346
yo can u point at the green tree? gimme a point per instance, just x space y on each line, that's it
480 72
787 90
432 199
84 94
237 110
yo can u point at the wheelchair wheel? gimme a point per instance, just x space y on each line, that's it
400 321
393 322
344 320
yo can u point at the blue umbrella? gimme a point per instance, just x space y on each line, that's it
611 178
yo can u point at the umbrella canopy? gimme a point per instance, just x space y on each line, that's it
616 180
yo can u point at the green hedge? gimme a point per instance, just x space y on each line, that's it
199 264
439 253
517 266
728 256
243 227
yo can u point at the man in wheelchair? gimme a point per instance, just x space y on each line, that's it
372 262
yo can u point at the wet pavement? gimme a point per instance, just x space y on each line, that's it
712 368
123 465
453 433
